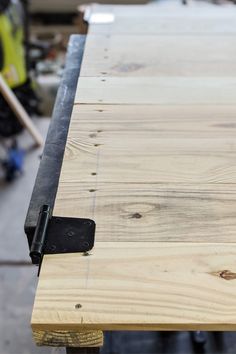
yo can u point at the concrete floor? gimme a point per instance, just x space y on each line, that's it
18 278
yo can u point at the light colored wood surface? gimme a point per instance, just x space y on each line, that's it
167 122
198 18
160 55
173 10
57 338
144 286
196 24
150 156
153 212
157 90
169 160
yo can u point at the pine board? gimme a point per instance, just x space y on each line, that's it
156 90
169 25
152 212
176 121
117 159
160 55
145 286
176 11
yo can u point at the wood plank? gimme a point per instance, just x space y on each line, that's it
152 212
156 90
127 158
172 144
142 286
176 121
57 338
172 18
152 11
129 171
184 144
160 55
166 24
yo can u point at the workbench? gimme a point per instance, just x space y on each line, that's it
144 146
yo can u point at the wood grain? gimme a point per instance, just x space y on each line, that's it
57 338
142 286
176 121
157 90
160 55
176 144
152 212
168 160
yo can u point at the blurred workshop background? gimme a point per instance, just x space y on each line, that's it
33 40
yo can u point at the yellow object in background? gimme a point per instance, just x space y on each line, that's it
11 38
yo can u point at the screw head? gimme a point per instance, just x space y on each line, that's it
70 233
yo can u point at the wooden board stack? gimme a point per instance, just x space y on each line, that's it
151 157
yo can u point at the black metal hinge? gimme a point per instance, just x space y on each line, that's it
55 234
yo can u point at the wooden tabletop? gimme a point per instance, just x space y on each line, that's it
151 157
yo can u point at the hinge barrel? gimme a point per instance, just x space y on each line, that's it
36 250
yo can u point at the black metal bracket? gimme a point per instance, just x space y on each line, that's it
47 180
55 234
48 234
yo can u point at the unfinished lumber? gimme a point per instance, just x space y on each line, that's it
57 338
150 157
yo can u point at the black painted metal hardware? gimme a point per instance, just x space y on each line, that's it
46 184
54 234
